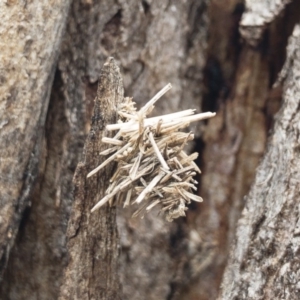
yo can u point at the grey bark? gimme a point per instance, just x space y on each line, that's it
264 261
257 16
28 52
154 42
92 270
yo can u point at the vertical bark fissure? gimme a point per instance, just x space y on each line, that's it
28 56
40 244
264 261
238 81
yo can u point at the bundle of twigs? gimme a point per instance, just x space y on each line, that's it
153 168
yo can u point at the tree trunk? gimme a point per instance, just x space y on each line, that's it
213 64
28 56
264 262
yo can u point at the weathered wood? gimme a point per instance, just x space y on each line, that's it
28 53
154 42
92 270
40 248
239 81
264 261
257 16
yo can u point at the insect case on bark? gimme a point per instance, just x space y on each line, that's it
152 166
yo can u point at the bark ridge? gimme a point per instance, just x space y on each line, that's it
92 271
264 262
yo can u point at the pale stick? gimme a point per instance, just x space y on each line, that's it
152 205
151 102
105 199
128 197
111 141
184 156
192 196
109 150
111 158
187 119
135 166
151 121
128 116
157 152
149 188
143 110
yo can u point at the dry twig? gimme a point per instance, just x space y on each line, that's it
152 165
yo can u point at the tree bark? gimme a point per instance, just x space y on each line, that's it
92 270
28 54
264 262
154 43
198 47
258 15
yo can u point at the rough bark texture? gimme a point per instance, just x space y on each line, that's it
28 53
264 262
92 270
239 82
259 14
196 45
